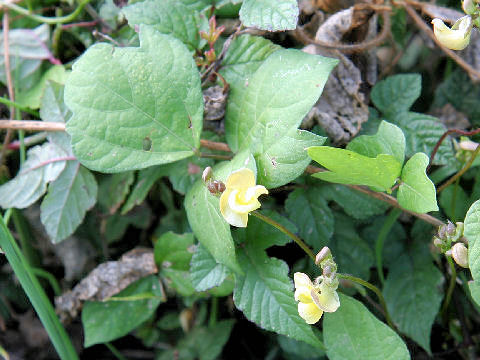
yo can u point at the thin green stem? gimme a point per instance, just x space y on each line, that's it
8 102
115 351
45 19
461 172
213 311
451 285
50 278
375 290
24 237
7 215
384 231
287 232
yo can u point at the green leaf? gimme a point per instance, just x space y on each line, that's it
110 320
124 98
355 204
396 93
43 165
389 140
353 333
422 133
113 190
145 180
352 253
265 295
412 293
168 17
265 114
309 210
298 349
271 15
205 272
348 167
67 201
417 192
174 251
472 233
244 57
184 173
27 49
206 221
474 288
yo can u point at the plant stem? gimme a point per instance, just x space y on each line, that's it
32 125
461 172
451 285
213 311
36 294
287 232
45 19
115 351
384 231
50 278
25 236
8 102
375 290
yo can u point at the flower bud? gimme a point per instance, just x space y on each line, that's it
450 229
469 7
207 174
216 187
460 254
322 255
442 232
437 242
468 145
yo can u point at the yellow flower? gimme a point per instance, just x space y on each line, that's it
240 197
456 38
314 299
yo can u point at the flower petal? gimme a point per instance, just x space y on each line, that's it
254 192
309 312
456 38
238 206
327 299
300 279
234 218
241 179
302 293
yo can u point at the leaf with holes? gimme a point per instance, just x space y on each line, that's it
417 192
43 165
67 201
271 15
135 107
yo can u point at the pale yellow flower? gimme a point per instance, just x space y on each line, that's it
240 197
455 38
314 299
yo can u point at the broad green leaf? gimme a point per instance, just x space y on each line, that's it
413 294
354 203
472 233
353 333
174 251
244 57
43 165
396 93
309 210
117 224
168 17
179 280
68 199
417 192
32 97
422 133
205 219
145 180
348 167
110 320
135 107
184 173
265 295
474 291
456 196
271 15
113 189
205 272
298 349
264 116
197 5
27 49
352 253
389 140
